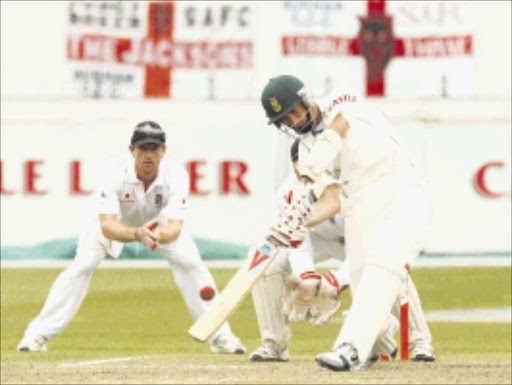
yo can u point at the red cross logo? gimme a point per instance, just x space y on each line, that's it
160 26
158 52
378 45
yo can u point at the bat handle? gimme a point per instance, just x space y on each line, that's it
270 243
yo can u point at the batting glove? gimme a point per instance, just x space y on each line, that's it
298 205
286 233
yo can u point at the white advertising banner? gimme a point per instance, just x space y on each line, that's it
381 48
182 49
51 155
469 169
227 50
316 42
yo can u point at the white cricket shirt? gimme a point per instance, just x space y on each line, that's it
121 192
372 152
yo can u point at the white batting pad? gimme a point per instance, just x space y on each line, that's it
266 296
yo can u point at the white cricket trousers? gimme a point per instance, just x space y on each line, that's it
384 231
71 286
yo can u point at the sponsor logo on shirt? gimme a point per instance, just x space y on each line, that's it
158 200
341 99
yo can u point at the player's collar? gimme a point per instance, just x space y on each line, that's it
317 132
159 180
319 128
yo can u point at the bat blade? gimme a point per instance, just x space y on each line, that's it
226 302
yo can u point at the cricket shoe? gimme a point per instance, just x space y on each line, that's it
227 344
32 344
269 352
423 353
344 358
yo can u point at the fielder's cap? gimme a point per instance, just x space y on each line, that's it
294 151
148 132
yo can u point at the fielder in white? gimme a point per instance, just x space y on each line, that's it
141 197
307 289
359 166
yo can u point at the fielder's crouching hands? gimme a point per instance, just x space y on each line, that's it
327 301
148 234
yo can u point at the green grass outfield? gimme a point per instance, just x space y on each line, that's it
131 312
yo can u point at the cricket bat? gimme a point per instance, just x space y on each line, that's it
225 304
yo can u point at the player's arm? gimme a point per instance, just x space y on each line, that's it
327 206
327 146
339 125
337 112
170 232
115 230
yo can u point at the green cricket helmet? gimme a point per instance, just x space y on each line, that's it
280 96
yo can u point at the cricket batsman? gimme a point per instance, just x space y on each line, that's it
307 291
356 164
142 196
